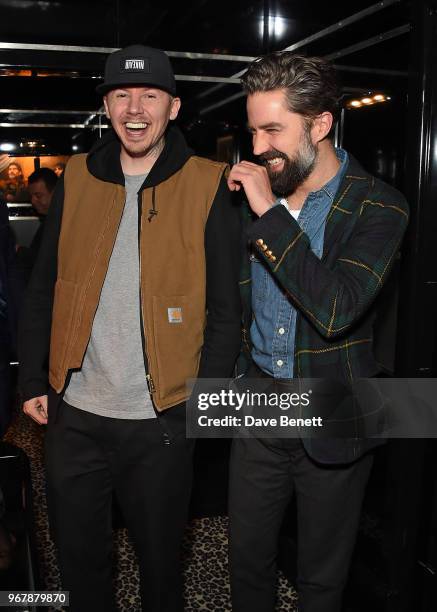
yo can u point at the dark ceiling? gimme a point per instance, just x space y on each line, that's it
63 81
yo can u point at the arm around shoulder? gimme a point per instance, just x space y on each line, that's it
223 253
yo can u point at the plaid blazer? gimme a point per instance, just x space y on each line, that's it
335 296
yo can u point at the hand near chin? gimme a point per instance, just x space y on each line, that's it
256 184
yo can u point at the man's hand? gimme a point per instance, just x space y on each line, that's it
36 408
256 184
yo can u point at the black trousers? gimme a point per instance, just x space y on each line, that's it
264 475
87 458
5 393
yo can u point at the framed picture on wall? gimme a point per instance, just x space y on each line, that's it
15 171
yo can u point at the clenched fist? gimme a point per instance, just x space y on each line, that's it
256 184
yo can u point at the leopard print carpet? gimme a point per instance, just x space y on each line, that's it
205 546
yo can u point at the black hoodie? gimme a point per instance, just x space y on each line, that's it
222 249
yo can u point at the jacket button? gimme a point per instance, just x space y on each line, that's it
264 247
273 258
260 242
269 253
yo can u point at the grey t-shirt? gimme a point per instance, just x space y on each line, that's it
112 380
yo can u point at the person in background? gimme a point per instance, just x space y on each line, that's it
134 291
59 169
42 185
322 235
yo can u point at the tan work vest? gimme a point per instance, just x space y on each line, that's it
172 268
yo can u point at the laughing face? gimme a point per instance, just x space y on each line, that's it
139 116
282 140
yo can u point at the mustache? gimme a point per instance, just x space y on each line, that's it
274 153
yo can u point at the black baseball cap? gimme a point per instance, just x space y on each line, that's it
138 65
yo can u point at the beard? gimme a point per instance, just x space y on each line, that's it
296 169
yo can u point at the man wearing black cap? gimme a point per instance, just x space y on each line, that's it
134 292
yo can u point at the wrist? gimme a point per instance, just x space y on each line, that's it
265 208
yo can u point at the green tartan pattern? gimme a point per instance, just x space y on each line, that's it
334 296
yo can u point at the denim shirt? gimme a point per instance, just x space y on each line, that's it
274 325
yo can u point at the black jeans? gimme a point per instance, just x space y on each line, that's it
264 474
87 458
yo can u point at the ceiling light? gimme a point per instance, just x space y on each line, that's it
19 72
369 100
277 26
7 146
33 145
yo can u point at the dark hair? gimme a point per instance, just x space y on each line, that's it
17 165
46 175
310 83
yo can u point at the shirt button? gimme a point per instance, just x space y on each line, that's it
281 331
280 363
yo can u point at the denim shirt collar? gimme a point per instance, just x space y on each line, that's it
317 204
332 185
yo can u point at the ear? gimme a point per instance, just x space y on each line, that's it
174 108
322 126
105 103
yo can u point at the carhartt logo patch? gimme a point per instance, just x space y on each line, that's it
136 65
174 315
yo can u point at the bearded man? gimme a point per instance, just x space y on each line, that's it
322 235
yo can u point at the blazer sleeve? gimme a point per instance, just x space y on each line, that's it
333 298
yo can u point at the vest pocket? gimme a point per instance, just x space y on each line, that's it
64 307
178 325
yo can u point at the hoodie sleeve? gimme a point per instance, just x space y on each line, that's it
36 315
222 248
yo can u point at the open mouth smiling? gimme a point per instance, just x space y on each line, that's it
275 161
131 125
136 128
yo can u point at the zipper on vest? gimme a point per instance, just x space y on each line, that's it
149 379
150 384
